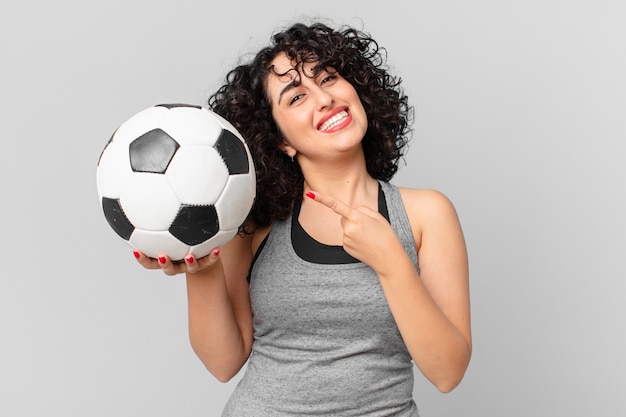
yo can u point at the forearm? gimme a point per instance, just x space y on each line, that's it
214 332
437 346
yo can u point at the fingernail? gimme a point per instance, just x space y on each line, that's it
310 195
189 259
216 252
137 254
162 259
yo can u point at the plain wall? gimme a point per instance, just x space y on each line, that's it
520 121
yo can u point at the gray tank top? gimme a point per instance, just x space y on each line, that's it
325 342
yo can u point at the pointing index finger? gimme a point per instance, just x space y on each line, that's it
337 206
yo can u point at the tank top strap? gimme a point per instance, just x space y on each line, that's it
399 220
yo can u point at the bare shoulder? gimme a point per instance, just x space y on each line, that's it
259 236
428 210
237 256
246 244
427 203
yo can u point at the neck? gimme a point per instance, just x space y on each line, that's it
348 182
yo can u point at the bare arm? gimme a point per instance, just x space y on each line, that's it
431 308
219 312
220 317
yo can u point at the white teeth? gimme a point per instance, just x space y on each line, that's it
334 121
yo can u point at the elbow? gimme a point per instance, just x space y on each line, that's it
222 367
223 373
448 380
447 386
223 377
445 389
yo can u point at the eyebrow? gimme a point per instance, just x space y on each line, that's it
285 90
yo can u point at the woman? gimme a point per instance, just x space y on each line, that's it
322 292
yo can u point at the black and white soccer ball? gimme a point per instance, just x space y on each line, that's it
176 179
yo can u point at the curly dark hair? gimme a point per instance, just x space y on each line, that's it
359 59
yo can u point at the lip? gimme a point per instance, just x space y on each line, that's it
330 115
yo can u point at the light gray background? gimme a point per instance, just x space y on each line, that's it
520 110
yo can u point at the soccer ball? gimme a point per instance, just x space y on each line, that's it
176 179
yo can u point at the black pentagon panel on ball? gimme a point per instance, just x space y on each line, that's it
114 214
174 105
195 224
152 151
233 152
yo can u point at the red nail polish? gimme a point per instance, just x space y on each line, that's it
162 259
189 259
137 254
310 195
216 252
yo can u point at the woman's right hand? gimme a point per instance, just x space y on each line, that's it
190 265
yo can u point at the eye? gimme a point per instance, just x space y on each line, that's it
295 98
328 78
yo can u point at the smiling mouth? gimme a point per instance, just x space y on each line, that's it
334 121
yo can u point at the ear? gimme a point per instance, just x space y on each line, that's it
288 149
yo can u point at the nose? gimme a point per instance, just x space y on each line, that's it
323 98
